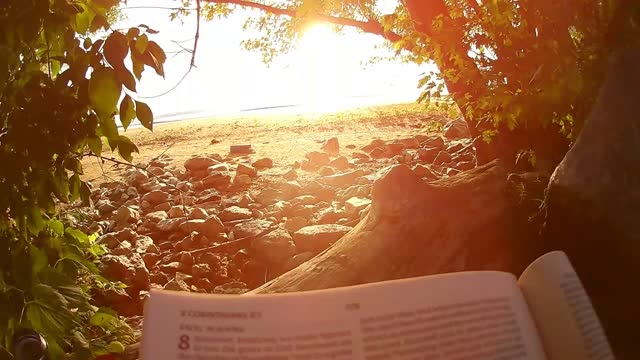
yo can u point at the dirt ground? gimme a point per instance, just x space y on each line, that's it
285 138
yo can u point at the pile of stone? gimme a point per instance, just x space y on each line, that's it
227 225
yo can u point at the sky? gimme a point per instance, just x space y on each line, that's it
326 71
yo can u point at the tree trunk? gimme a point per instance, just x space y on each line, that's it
593 204
472 221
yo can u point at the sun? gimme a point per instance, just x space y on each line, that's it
318 55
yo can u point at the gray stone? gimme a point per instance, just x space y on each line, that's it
275 247
250 228
246 170
331 146
356 204
234 213
263 163
199 163
155 197
316 238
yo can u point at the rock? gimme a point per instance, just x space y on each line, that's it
295 223
374 144
217 180
144 244
222 167
326 171
172 268
155 197
241 149
170 225
452 172
105 207
424 172
343 180
125 216
234 213
328 215
455 147
359 155
199 163
298 260
290 175
176 211
340 163
457 129
427 155
137 177
331 146
250 228
200 270
233 288
318 159
264 163
177 285
316 238
242 180
246 170
378 153
211 227
355 204
465 165
275 247
320 191
209 195
410 143
437 142
165 206
197 213
442 158
156 216
269 196
129 269
393 149
289 189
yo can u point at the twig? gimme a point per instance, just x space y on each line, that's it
234 244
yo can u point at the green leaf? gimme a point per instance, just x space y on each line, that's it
141 43
77 235
116 347
116 49
157 57
133 33
85 194
126 147
60 182
104 92
95 145
126 78
39 260
56 226
144 114
127 111
105 320
74 187
99 22
35 222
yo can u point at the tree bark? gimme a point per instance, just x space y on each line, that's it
472 221
593 204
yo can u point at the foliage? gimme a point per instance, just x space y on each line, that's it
64 76
506 63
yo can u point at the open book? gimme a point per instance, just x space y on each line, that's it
546 314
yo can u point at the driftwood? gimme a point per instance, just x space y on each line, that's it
466 222
593 204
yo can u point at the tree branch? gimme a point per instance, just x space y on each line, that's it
371 26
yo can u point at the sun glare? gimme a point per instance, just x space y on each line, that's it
318 56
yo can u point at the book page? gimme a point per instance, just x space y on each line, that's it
568 324
471 315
